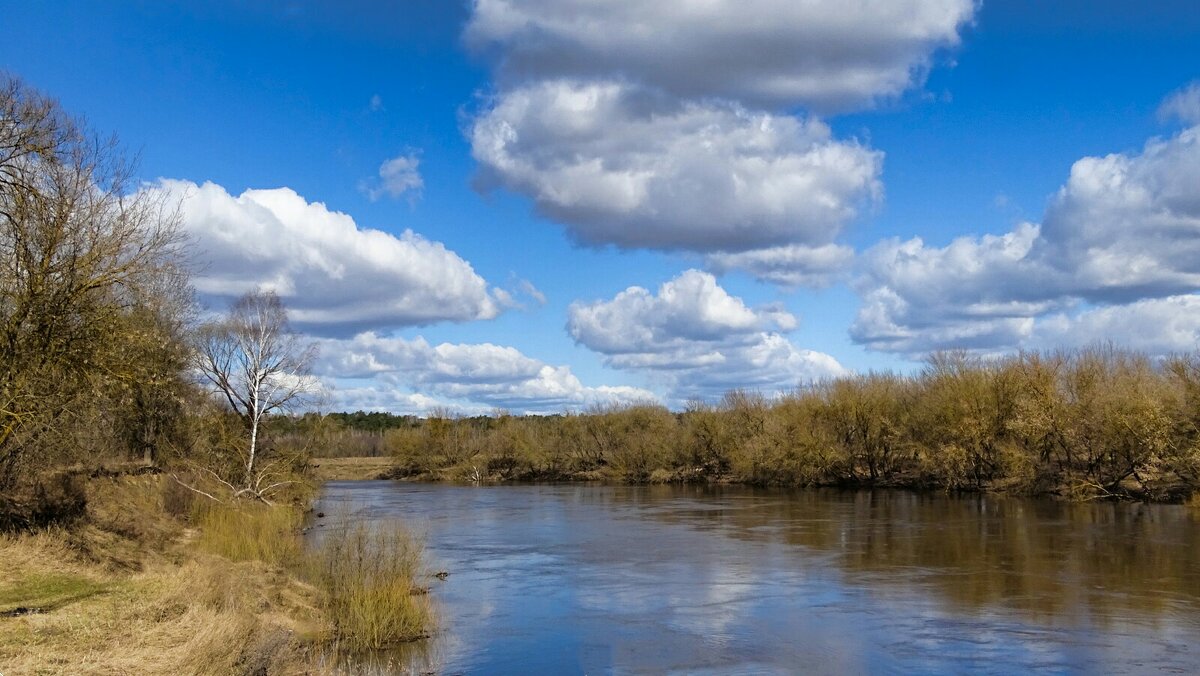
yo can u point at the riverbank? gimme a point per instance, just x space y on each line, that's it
1090 424
351 469
1128 490
151 581
126 590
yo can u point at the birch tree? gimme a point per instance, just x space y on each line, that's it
256 363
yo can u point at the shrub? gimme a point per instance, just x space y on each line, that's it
54 500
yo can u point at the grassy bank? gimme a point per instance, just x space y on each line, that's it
152 581
1098 423
351 468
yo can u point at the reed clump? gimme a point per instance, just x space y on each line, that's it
367 574
364 574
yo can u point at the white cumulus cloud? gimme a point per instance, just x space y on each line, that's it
398 176
1156 326
820 54
335 277
792 265
391 400
622 165
1183 104
696 339
675 126
462 376
1119 239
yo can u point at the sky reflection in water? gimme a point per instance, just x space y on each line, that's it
658 579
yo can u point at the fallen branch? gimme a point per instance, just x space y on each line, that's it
197 490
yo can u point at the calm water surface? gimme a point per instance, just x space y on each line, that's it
606 579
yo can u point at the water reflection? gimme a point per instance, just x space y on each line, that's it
1038 556
573 579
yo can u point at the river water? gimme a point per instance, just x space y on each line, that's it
565 579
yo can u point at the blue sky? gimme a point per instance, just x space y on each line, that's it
757 170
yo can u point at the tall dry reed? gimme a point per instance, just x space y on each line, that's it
367 573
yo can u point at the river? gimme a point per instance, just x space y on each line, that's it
595 579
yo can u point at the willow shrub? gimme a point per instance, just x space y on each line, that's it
1086 423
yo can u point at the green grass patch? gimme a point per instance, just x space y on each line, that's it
39 593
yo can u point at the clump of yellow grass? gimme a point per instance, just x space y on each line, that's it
367 573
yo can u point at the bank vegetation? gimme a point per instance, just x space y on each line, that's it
148 522
1085 424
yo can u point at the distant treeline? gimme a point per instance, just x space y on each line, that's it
1092 423
374 421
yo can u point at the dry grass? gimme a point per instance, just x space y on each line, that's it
208 616
130 592
135 592
351 469
367 574
123 594
250 532
364 575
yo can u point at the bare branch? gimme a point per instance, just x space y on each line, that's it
196 490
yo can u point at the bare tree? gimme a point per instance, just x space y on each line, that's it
258 365
81 250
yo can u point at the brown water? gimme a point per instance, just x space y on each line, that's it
606 579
